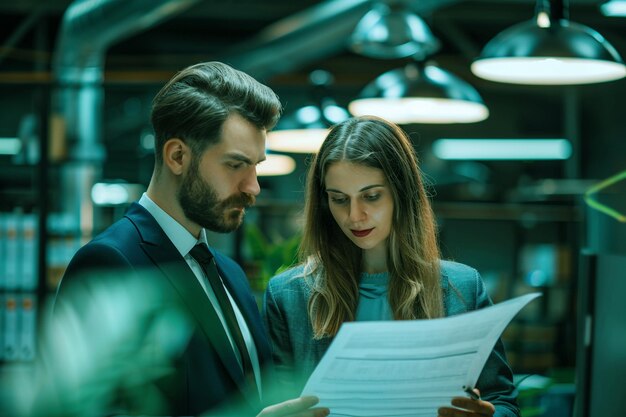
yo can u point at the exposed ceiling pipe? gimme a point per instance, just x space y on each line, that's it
318 32
291 43
88 29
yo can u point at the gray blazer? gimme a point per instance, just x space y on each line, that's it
296 353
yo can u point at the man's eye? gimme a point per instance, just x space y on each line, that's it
236 165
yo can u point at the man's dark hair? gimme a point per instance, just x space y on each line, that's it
194 104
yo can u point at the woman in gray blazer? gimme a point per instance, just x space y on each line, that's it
369 252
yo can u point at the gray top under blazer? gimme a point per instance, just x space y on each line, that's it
296 353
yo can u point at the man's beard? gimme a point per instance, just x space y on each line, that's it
201 205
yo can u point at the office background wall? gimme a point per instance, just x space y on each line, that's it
509 219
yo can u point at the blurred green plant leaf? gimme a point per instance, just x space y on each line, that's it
271 257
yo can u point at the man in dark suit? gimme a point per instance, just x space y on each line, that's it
210 124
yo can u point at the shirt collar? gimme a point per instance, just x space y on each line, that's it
180 237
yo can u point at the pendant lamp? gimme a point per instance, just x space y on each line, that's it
614 8
549 50
390 30
417 92
304 129
275 165
420 93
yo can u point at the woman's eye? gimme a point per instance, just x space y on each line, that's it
372 197
338 200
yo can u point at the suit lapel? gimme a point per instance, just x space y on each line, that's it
167 258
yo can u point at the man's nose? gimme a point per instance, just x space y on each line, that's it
250 183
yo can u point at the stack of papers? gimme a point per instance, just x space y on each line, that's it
409 367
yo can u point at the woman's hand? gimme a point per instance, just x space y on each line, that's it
466 407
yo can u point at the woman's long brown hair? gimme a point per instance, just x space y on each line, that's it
335 263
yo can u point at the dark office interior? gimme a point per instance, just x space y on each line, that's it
76 99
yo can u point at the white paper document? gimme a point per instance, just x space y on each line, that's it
408 367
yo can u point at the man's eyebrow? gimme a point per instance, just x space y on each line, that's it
239 157
367 187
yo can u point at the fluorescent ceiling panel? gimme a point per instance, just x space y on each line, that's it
10 146
502 149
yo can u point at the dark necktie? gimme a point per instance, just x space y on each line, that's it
201 254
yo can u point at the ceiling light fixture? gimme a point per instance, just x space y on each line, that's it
305 140
502 149
10 146
115 193
304 130
549 50
391 31
614 8
420 93
275 165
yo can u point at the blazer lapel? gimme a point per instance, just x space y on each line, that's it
167 258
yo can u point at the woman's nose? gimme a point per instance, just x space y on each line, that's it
357 212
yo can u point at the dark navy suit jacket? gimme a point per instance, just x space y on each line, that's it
206 375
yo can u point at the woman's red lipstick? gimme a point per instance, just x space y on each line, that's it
361 233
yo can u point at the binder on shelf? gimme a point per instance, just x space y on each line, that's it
63 243
27 316
11 250
60 253
11 327
28 252
3 256
2 326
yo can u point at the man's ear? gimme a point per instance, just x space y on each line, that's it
176 155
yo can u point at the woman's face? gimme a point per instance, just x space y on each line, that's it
361 203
